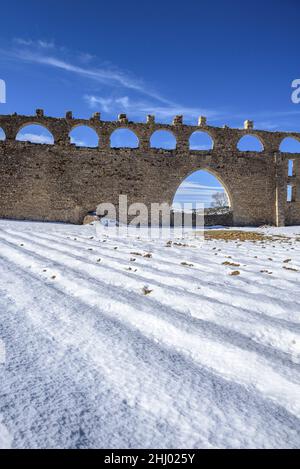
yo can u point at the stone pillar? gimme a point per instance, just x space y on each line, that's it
104 140
10 133
280 189
182 143
144 143
296 173
61 136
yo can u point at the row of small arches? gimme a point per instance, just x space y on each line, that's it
84 136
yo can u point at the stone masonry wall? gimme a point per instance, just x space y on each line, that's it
61 182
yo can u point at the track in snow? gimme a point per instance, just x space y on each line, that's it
204 360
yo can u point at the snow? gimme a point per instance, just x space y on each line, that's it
164 351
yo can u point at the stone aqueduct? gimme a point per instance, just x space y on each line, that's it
62 182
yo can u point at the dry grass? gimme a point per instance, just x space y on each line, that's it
290 268
236 235
148 255
187 264
146 290
233 264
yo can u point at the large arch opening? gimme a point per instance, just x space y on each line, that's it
124 138
163 139
202 189
2 135
35 133
84 136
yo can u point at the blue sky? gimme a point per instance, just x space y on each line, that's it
229 61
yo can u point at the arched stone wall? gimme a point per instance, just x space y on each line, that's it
62 183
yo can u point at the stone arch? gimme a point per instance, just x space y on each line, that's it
290 145
123 137
211 172
82 135
35 132
164 139
2 135
250 142
201 140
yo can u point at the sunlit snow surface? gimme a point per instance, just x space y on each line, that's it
204 359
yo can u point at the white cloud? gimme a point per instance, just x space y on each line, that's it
35 52
107 76
188 188
39 43
200 147
78 143
193 192
39 138
138 107
35 138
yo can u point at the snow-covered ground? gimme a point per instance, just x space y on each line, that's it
107 347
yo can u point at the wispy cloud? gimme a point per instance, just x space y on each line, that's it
37 52
78 143
34 138
193 188
128 93
39 138
140 107
39 43
32 51
193 192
